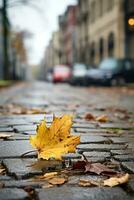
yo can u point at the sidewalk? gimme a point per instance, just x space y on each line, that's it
111 142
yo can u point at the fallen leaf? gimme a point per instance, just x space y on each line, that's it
79 165
47 186
102 118
113 181
49 175
89 117
57 181
1 185
98 168
2 169
43 165
90 182
84 183
17 109
5 135
56 140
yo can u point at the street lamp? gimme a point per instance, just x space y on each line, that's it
131 21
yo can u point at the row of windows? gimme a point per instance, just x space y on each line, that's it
100 45
99 7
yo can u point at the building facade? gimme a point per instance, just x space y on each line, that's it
129 28
67 25
106 30
1 49
52 52
94 30
82 44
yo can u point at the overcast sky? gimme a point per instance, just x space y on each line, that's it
40 21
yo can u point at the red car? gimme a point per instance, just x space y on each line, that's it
61 73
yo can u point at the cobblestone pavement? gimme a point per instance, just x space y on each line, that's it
101 142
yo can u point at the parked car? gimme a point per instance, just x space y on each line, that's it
49 75
61 73
79 71
112 72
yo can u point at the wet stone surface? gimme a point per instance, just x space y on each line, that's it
124 157
96 154
93 139
14 149
21 168
99 147
128 166
110 142
122 152
80 193
13 194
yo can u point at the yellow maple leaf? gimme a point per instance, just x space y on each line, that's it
56 140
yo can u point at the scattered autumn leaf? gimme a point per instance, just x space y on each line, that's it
113 181
49 175
47 186
1 185
57 181
56 140
98 168
89 117
89 182
2 169
5 135
79 165
84 183
45 164
17 109
102 118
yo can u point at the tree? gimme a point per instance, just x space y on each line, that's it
6 29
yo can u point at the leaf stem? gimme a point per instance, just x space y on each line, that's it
24 154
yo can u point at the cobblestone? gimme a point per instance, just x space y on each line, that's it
21 168
14 149
96 154
124 157
99 147
80 193
93 139
108 142
13 194
129 166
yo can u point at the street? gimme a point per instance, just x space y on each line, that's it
23 106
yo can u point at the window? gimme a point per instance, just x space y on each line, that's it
101 48
111 45
92 53
110 5
100 8
92 11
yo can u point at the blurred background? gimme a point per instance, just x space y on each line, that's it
81 42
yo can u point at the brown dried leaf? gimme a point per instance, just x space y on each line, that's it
47 186
2 169
98 168
89 117
49 175
5 135
79 165
102 118
89 182
57 181
84 183
1 185
113 181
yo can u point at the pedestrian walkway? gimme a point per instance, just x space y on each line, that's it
110 143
